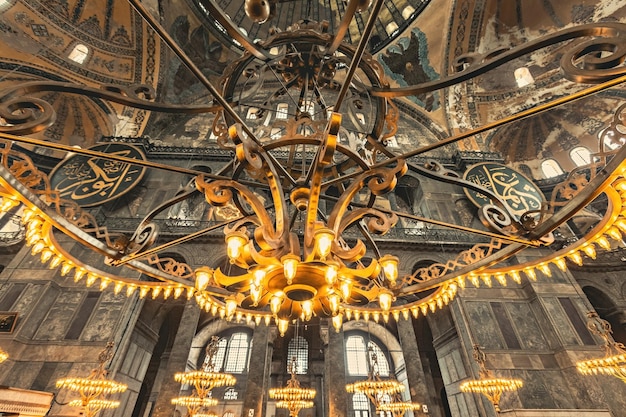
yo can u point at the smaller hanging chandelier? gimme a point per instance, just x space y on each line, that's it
93 388
487 384
614 361
203 381
293 397
3 355
375 388
398 408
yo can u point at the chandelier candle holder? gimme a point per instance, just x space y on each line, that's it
203 381
374 387
487 384
614 361
95 387
3 355
293 397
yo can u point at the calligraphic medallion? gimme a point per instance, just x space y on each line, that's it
91 181
515 190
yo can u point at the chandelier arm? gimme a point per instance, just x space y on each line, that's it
175 242
340 34
360 49
109 156
483 263
368 236
479 65
186 60
592 189
489 126
322 159
464 228
379 181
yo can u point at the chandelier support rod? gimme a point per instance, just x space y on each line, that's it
175 242
111 157
464 228
169 41
358 53
491 125
348 14
191 66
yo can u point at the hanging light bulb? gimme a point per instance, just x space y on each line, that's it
231 306
259 276
337 322
323 241
331 274
255 293
234 244
389 264
282 325
345 289
203 277
275 303
307 309
290 266
333 303
385 298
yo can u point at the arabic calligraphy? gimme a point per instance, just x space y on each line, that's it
513 188
90 181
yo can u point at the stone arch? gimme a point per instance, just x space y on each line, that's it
608 310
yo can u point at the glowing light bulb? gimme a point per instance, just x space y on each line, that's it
259 276
275 303
331 274
590 251
234 245
255 293
385 299
283 325
390 267
203 277
231 306
290 266
345 289
337 322
323 240
307 309
333 303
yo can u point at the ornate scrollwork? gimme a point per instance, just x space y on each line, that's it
26 115
610 39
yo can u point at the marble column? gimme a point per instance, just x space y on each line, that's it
255 397
418 386
335 373
177 360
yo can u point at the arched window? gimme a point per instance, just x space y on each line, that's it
407 12
282 110
580 155
233 353
230 394
391 28
360 405
79 54
298 348
551 168
361 357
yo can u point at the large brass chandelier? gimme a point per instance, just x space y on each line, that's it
94 389
203 382
295 249
300 277
292 396
614 361
487 383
